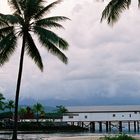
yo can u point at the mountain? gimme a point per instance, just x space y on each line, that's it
84 102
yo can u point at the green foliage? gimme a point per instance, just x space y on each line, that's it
9 105
61 109
2 104
22 111
53 116
6 115
38 108
119 137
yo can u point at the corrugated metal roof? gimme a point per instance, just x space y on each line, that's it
124 108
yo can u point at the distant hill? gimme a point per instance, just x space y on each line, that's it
50 109
52 102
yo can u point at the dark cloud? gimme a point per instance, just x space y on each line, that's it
104 62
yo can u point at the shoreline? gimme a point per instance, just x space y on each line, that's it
91 137
64 136
69 137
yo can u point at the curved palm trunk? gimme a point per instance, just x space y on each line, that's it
18 90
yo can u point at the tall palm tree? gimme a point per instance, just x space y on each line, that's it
38 108
114 8
30 17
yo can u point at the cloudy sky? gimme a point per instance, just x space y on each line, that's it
104 61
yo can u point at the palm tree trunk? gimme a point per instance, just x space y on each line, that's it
37 115
18 90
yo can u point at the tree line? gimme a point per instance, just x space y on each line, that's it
36 111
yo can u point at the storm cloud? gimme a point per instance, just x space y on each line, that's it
104 61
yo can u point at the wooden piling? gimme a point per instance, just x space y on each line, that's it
120 126
134 126
138 128
109 126
129 129
106 126
92 126
100 126
82 124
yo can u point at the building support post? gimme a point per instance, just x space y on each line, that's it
134 126
109 126
120 126
82 124
78 123
92 126
100 126
129 126
138 126
72 123
106 126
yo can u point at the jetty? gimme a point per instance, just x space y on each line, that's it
108 116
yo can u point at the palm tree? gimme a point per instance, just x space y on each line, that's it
38 108
61 109
10 105
29 17
114 8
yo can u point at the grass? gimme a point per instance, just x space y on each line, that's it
118 137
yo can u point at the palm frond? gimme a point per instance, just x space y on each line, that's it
63 44
7 47
53 50
113 10
51 21
9 19
46 9
3 23
32 7
138 3
5 30
57 18
33 52
48 24
52 37
50 43
20 19
15 6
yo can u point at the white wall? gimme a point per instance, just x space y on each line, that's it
119 116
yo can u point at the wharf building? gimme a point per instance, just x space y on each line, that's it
109 117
